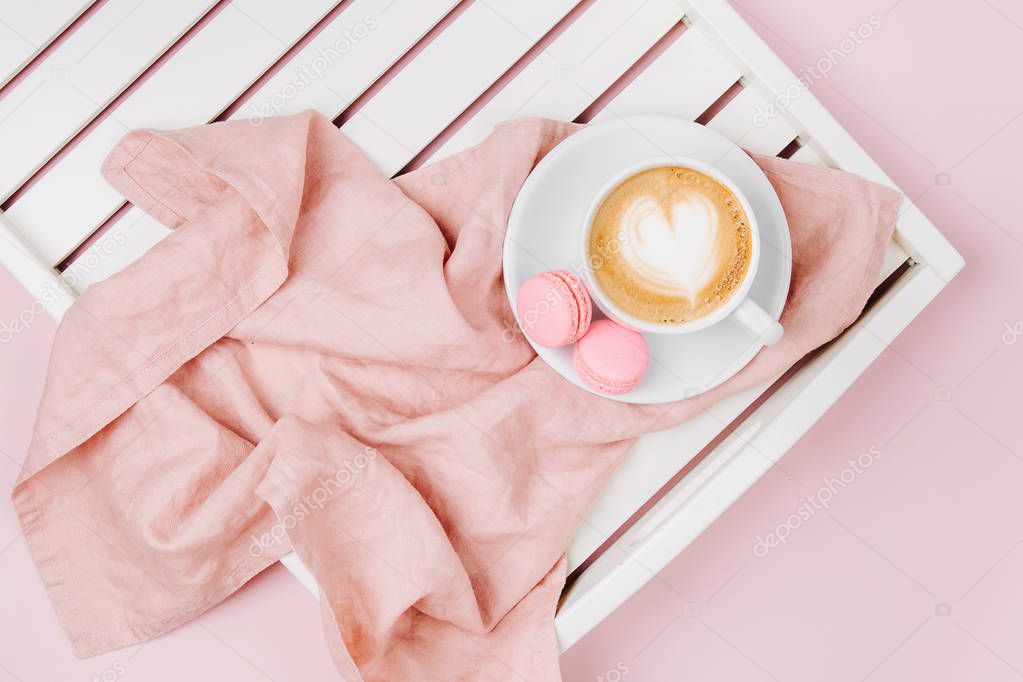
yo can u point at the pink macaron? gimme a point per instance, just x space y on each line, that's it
554 308
611 358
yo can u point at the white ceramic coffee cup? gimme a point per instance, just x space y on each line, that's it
738 307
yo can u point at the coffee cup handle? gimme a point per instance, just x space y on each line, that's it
754 318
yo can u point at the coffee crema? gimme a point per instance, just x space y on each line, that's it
669 245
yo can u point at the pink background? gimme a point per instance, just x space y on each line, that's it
913 570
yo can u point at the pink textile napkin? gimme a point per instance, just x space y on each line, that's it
319 358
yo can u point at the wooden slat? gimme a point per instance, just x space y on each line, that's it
808 154
42 283
71 200
453 70
124 242
576 68
894 257
81 76
684 81
654 460
28 27
346 57
398 25
738 121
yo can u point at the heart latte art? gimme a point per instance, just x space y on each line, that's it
669 245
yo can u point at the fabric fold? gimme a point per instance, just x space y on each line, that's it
394 586
321 358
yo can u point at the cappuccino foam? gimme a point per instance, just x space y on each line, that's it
670 245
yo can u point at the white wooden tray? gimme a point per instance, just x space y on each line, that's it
411 81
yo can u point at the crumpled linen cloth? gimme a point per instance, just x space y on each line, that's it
321 358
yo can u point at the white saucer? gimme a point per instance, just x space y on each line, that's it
545 220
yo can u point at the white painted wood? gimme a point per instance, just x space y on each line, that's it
48 291
653 461
353 65
734 466
450 73
299 570
71 200
135 233
687 79
346 57
810 155
82 75
894 257
577 67
737 121
26 28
